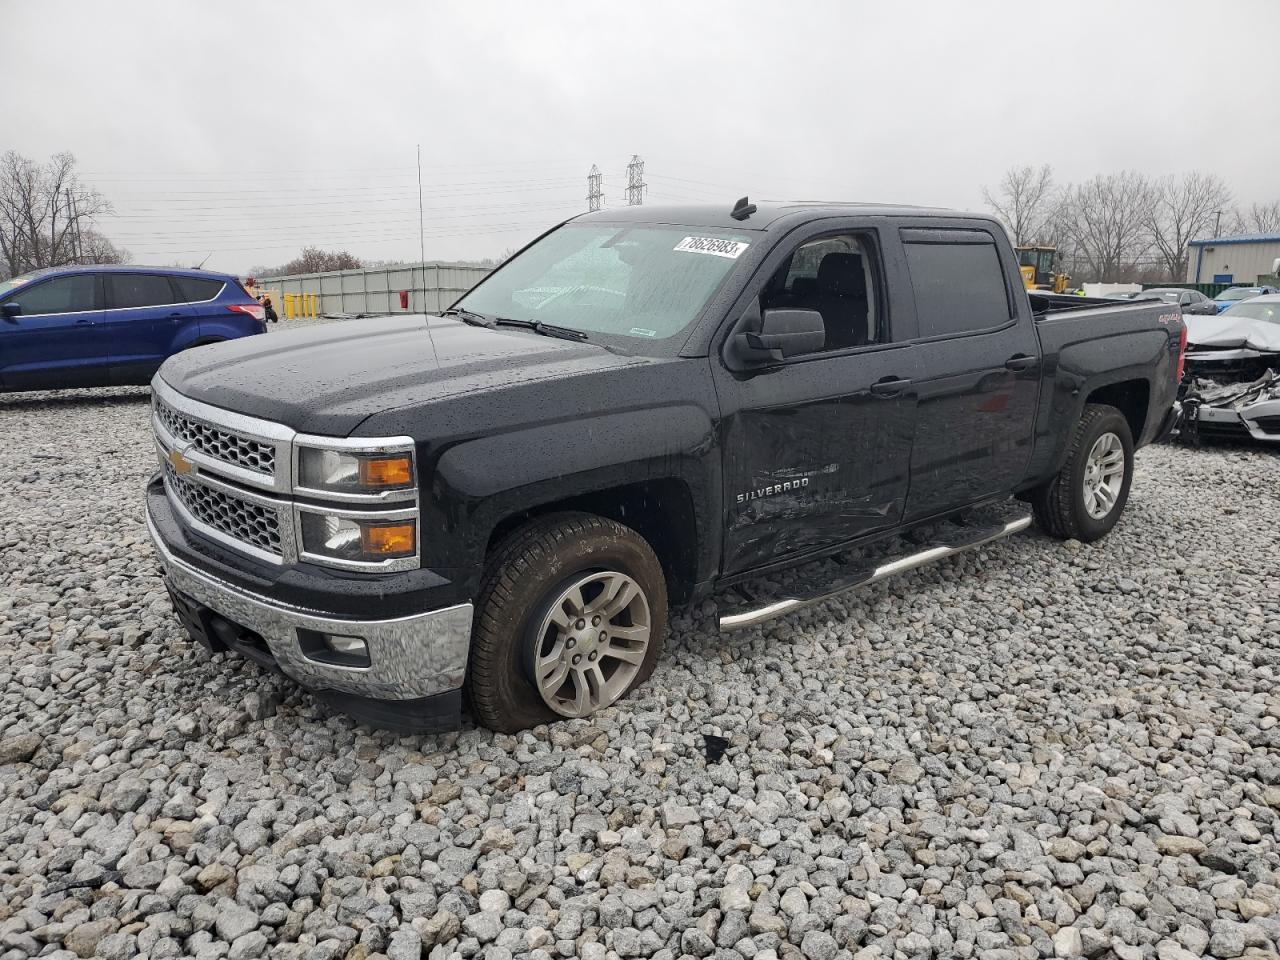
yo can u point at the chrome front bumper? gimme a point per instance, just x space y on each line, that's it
409 657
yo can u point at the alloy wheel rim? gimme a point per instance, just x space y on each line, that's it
591 643
1103 476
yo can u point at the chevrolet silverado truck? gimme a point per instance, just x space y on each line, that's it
641 409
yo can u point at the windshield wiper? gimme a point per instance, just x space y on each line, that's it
537 326
467 316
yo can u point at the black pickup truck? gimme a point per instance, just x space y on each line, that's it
640 408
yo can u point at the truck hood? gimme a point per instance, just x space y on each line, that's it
1226 332
328 379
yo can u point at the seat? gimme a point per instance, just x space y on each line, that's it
841 298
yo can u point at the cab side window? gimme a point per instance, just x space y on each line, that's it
835 276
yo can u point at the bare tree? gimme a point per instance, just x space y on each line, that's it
1181 209
45 212
95 248
1263 218
1024 200
315 260
1106 219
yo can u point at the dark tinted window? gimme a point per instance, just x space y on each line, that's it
138 290
959 287
835 276
59 295
195 289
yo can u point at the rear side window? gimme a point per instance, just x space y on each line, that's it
138 290
196 289
959 287
59 295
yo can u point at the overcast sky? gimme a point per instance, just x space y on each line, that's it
247 130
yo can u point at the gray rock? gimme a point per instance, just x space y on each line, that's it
234 921
19 748
406 944
249 946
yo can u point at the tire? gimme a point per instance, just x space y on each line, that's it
1062 507
517 612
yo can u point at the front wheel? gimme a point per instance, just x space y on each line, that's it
1085 500
571 617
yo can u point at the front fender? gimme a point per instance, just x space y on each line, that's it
480 483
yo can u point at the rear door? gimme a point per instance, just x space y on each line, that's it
200 295
978 360
816 447
54 339
144 318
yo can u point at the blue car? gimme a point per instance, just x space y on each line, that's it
1232 295
110 326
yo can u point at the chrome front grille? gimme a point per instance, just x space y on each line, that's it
230 477
220 444
233 516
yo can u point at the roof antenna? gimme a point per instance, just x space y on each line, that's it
200 265
743 209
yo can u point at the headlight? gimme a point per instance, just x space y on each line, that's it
338 471
358 539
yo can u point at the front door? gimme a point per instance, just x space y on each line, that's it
816 447
51 336
979 377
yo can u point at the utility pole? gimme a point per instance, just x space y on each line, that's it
422 242
77 242
595 196
635 181
1217 225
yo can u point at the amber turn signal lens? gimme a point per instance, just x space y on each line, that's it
385 471
387 539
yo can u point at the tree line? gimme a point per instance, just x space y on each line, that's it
1122 227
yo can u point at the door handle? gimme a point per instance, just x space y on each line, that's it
1020 362
172 315
889 386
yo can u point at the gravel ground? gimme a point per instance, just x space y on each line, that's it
1034 750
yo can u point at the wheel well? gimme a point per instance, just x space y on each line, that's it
1130 397
205 341
661 511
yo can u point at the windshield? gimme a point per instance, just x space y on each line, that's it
1169 296
1238 293
1267 310
15 282
641 282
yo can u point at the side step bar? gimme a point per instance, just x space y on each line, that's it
868 576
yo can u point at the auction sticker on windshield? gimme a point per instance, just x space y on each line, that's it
731 249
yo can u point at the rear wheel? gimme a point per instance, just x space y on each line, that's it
571 617
1085 500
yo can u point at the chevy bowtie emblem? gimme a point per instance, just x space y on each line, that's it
180 463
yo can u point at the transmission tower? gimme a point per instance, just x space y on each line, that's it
635 181
595 196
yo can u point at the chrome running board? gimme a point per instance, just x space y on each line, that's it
943 547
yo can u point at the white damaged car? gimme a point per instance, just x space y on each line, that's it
1233 359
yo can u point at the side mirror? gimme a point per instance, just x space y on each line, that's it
782 333
10 309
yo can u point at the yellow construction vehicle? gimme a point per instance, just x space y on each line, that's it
1036 264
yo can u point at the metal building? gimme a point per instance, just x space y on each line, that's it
430 287
1245 260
